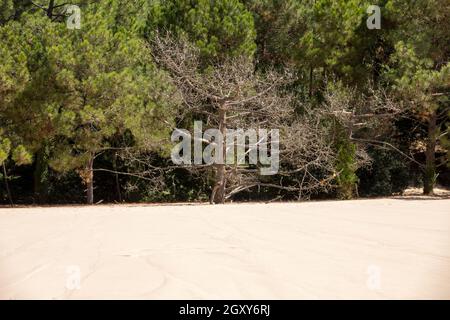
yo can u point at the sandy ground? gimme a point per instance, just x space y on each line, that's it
363 249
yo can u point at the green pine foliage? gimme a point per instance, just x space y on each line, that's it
346 167
218 28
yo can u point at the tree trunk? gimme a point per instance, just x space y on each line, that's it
50 8
430 158
90 181
8 191
218 193
41 175
116 176
311 75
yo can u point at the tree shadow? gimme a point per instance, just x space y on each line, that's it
422 197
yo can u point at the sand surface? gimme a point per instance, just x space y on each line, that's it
381 249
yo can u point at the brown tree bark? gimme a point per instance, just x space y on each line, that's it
311 75
8 191
116 176
430 157
51 6
90 181
218 193
41 175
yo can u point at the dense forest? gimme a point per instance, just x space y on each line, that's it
91 92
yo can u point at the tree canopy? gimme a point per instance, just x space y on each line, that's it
93 107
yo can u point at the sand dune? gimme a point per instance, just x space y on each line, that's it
365 249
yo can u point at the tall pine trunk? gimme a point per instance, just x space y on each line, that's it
116 177
218 194
41 183
430 158
90 181
311 80
50 8
8 191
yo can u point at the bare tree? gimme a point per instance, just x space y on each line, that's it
231 95
366 117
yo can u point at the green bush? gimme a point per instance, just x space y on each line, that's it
346 167
388 174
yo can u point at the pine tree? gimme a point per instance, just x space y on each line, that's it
419 69
13 78
108 86
219 29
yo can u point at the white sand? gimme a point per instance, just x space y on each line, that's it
356 249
